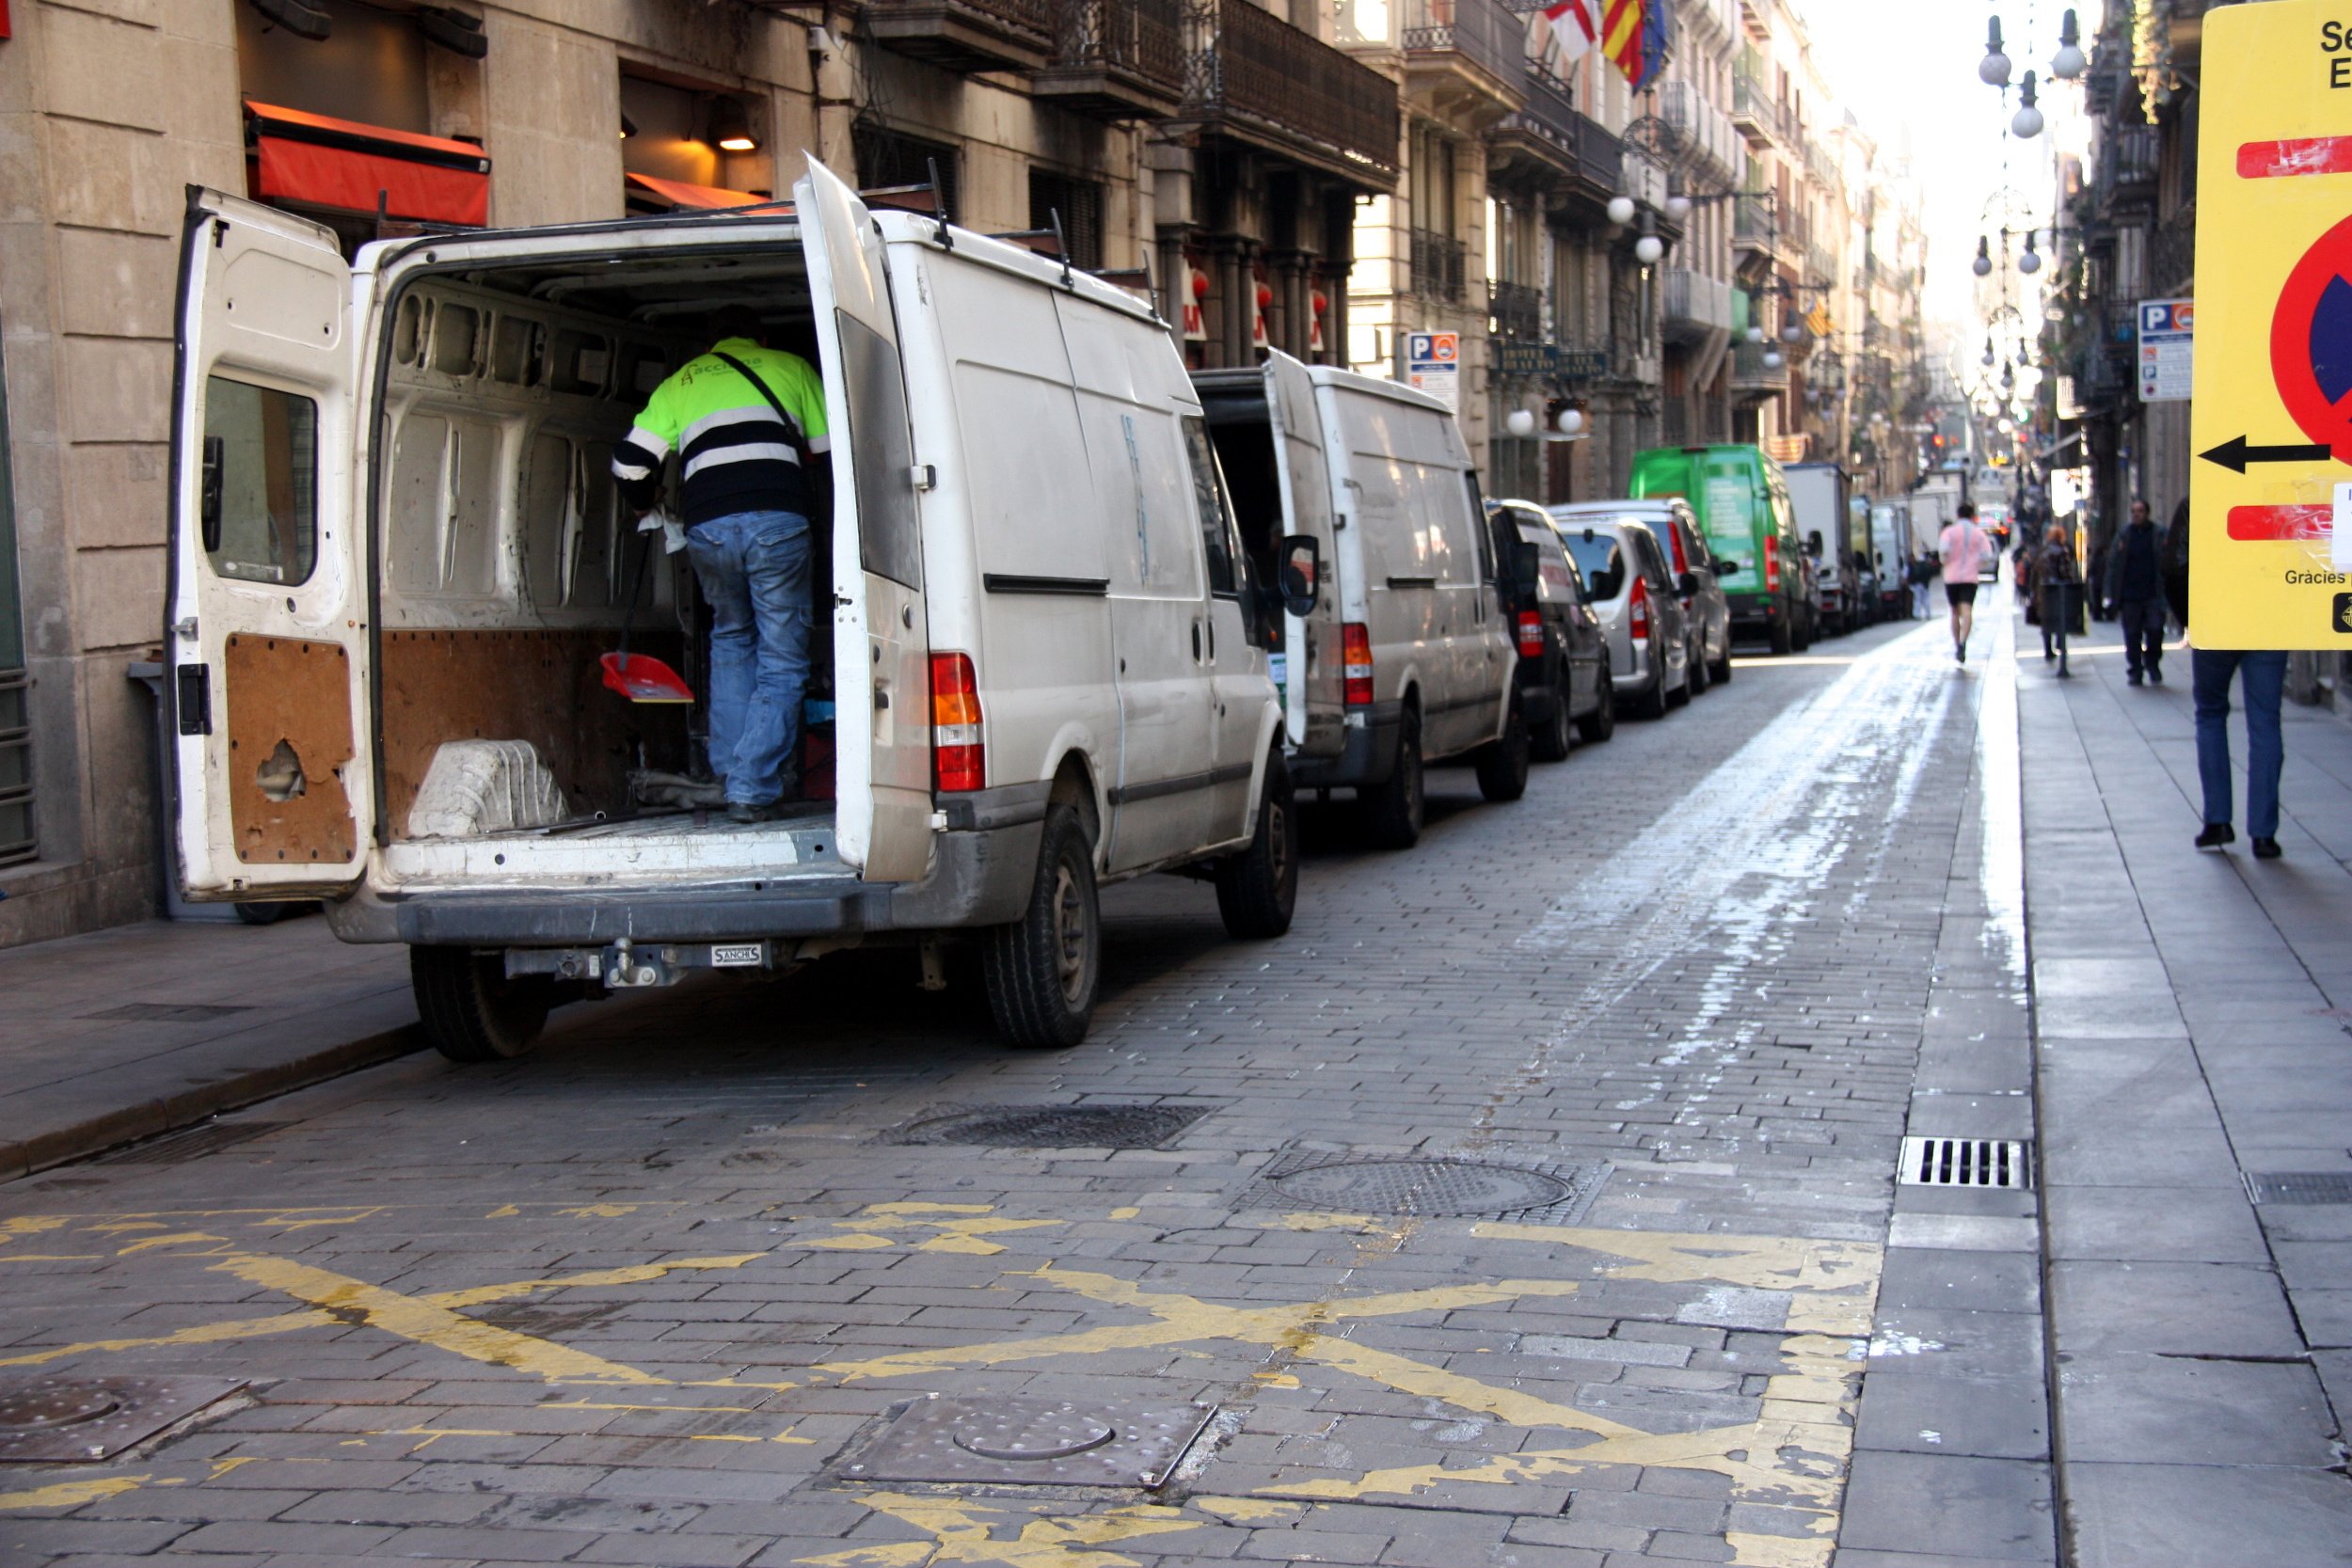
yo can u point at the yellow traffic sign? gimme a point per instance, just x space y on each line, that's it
2270 490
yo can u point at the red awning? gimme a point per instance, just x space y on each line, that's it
684 194
356 168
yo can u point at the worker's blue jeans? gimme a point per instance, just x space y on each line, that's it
753 569
2263 676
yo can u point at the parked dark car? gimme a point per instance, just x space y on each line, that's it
1564 658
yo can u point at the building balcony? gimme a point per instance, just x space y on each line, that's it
1257 79
1756 112
1552 132
2124 184
1476 46
1116 59
1696 304
966 35
1751 380
1716 149
1515 310
1439 266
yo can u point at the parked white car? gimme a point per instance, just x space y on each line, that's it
1628 582
395 542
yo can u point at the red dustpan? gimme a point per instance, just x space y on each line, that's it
641 677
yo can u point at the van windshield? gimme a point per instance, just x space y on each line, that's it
1601 562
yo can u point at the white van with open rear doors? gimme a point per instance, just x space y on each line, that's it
398 556
1406 657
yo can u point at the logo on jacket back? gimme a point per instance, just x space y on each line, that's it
2344 614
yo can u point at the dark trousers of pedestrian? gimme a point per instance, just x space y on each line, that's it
2054 629
2143 639
2262 678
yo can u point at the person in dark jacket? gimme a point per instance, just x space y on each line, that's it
2052 576
2176 564
2139 596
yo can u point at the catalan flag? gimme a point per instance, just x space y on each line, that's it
1634 36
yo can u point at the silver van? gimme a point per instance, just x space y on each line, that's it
1627 582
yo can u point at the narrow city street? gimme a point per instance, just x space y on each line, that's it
1528 1203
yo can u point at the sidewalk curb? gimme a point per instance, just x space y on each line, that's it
174 1113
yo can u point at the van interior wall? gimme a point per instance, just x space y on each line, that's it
506 552
1244 450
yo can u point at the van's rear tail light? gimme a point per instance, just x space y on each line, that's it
1530 635
1637 612
958 750
1683 562
1355 648
1771 563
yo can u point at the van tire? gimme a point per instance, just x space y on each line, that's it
1698 674
1784 642
472 1009
1257 889
1599 724
1392 811
1502 763
1801 636
1720 671
1552 742
1652 704
1043 970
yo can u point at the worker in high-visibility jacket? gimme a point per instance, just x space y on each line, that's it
747 423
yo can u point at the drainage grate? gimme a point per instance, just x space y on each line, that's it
180 1148
47 1420
1966 1163
1439 1187
167 1013
2299 1186
1034 1442
1054 1126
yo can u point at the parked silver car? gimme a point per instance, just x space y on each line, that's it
1689 564
1626 578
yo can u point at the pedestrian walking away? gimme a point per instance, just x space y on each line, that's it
2139 596
2055 582
2262 679
745 421
1924 572
1962 548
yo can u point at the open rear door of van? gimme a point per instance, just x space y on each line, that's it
265 643
1314 696
882 652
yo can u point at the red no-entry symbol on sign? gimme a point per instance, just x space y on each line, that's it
2310 342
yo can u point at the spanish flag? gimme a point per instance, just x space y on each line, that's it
1634 36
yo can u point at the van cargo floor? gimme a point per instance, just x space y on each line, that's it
672 824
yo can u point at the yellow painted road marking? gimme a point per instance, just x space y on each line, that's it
955 1227
964 1532
71 1493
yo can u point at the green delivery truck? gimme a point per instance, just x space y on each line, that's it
1743 505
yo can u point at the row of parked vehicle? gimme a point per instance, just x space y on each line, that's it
1091 616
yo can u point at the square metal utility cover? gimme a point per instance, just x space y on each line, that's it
46 1420
1034 1442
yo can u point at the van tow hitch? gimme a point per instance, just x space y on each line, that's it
626 965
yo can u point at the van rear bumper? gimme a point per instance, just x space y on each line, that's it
1366 758
1751 612
976 879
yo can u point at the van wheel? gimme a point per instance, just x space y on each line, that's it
1257 889
1550 743
1042 970
1698 674
1801 638
1503 763
1652 704
1784 641
1720 671
472 1009
1392 813
1599 724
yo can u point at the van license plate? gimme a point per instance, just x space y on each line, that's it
743 955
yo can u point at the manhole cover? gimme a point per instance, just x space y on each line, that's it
1033 1442
49 1420
2299 1186
1435 1187
1054 1126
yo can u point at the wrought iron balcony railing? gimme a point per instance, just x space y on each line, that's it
1483 32
966 35
1254 75
1439 267
1118 58
1515 309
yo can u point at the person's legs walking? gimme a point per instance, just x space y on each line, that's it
2151 651
2134 614
775 560
715 549
2210 670
2263 679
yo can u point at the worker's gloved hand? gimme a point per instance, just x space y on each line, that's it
673 532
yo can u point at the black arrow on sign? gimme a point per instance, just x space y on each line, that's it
2233 453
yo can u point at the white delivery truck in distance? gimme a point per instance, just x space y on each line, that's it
397 557
1408 659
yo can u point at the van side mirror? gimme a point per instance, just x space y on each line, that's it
1813 544
1687 584
1301 573
1527 569
208 504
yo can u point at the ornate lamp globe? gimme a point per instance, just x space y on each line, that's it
1993 70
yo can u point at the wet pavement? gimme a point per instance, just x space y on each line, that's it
1533 1202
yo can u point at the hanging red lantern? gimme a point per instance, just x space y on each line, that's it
1265 296
1319 302
1199 284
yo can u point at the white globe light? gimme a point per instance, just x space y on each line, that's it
2030 261
1993 70
1773 360
2027 123
1648 248
1621 210
1677 208
1755 333
1982 266
2067 63
1572 421
1519 422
